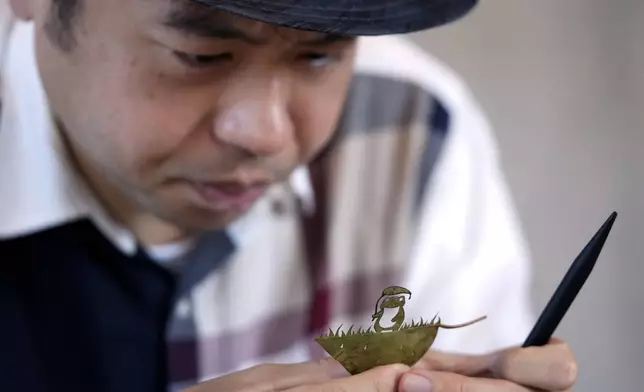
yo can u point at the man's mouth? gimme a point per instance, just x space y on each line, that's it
230 196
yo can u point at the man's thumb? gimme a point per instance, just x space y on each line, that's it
275 377
380 379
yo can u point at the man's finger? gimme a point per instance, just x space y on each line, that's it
275 377
434 381
466 365
380 379
550 368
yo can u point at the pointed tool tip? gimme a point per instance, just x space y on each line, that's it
600 237
610 221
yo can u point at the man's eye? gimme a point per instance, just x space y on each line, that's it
202 61
319 59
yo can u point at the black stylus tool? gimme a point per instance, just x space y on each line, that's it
569 288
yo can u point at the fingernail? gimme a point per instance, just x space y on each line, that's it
415 383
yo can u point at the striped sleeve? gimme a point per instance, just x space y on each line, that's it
468 256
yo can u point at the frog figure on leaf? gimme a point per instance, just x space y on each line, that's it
394 342
392 300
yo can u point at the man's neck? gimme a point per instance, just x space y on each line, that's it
147 228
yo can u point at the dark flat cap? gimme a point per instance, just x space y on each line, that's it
349 17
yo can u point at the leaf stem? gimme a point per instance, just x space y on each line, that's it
462 325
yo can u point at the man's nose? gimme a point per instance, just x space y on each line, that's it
254 120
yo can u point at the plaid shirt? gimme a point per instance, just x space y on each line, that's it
408 193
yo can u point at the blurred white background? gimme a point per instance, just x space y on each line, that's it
563 85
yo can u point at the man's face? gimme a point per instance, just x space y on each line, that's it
186 114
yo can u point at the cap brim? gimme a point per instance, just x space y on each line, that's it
349 17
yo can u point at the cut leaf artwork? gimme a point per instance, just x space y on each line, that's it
359 350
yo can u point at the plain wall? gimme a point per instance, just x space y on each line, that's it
563 85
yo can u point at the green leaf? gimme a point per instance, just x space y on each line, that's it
360 349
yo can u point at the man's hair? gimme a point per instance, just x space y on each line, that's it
59 25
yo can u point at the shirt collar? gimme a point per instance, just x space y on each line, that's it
40 188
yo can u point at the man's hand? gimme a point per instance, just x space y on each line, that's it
549 368
318 376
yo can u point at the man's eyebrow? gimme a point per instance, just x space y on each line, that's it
208 24
326 39
205 24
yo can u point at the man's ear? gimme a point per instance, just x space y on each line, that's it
23 9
